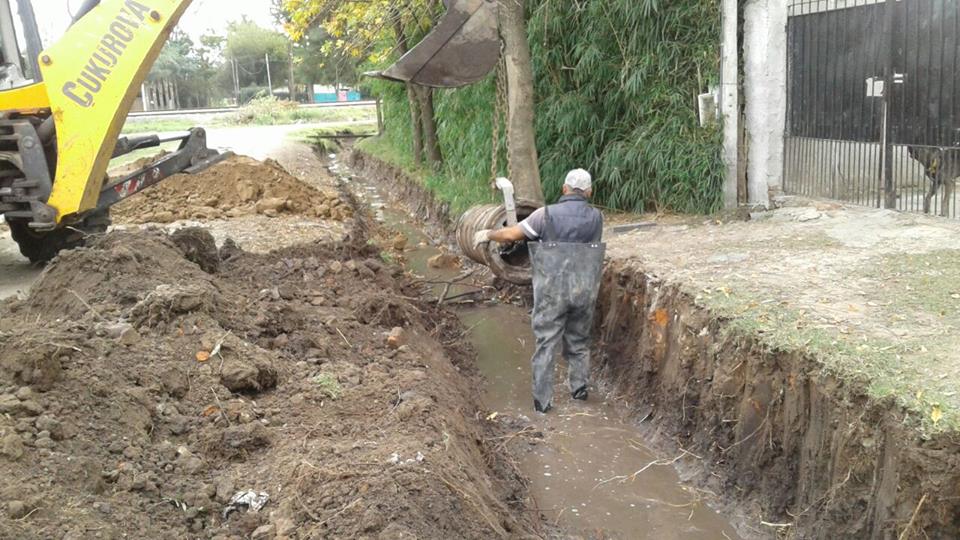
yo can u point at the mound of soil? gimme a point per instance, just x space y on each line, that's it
148 379
238 186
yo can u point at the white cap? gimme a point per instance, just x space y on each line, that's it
579 179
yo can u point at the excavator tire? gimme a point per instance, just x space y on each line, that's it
41 247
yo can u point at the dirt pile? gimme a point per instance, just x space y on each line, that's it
239 186
149 382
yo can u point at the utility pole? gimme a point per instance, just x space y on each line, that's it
236 81
269 78
291 83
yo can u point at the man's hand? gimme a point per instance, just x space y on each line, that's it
480 238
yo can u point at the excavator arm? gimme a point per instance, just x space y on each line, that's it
92 75
462 49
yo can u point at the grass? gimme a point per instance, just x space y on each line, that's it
915 371
927 282
460 193
254 115
315 136
328 386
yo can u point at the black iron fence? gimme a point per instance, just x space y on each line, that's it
873 116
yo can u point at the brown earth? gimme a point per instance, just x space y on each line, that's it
239 186
148 378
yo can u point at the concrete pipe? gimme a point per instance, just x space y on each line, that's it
511 263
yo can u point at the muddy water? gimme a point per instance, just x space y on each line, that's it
587 474
591 475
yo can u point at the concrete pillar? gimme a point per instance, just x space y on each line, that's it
765 94
730 101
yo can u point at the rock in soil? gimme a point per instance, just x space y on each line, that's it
11 446
198 246
396 338
265 532
17 509
247 377
246 437
446 261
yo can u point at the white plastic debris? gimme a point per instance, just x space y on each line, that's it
249 500
395 459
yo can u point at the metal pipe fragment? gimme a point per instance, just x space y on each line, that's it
511 263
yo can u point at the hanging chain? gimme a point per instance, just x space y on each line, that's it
499 109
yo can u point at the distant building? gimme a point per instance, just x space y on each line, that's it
329 94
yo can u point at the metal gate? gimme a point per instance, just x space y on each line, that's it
873 116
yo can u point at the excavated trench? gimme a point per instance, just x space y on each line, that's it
591 472
782 448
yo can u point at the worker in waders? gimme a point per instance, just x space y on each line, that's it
567 256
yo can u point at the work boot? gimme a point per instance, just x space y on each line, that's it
540 408
580 394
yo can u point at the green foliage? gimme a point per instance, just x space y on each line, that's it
315 64
192 67
328 386
263 110
616 84
246 39
464 127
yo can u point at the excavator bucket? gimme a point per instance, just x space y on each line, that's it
462 49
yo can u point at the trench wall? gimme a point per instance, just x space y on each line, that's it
783 441
418 199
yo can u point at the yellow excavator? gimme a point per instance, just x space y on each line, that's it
62 108
61 112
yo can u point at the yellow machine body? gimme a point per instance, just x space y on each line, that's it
26 99
90 78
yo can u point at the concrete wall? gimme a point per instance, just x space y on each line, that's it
765 96
730 101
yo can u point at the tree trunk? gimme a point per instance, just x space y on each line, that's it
521 141
416 124
431 143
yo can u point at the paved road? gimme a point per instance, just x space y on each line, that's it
231 110
16 272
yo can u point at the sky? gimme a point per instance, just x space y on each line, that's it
53 16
